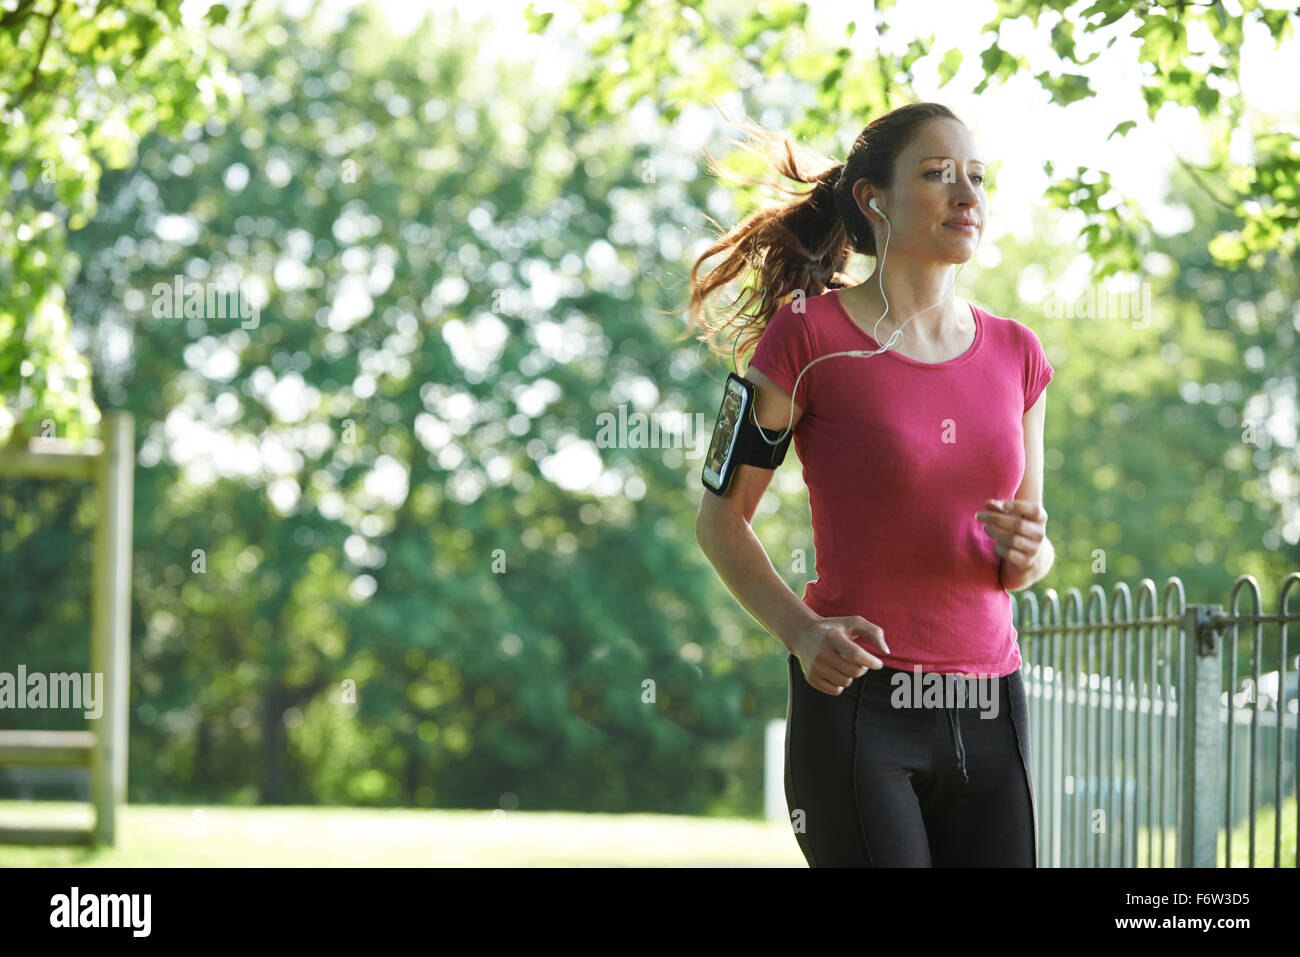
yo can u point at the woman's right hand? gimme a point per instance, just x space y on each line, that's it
829 656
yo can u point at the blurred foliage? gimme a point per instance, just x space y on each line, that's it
394 211
362 573
80 84
640 50
1167 444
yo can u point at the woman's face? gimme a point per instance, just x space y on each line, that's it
938 188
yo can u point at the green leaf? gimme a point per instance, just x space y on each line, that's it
1110 11
217 14
1066 89
1122 128
537 22
1227 248
1154 97
1278 23
1063 40
949 65
991 59
83 37
1207 99
753 27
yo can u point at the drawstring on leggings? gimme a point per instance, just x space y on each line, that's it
959 747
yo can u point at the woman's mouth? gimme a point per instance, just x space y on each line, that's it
968 228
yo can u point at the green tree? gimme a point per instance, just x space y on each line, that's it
456 277
637 54
397 215
80 83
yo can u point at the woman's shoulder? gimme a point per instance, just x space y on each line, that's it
805 317
799 304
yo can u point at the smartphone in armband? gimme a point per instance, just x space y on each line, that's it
737 440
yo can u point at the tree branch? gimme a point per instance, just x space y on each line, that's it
13 15
1195 174
40 54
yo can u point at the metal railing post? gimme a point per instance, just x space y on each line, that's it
1198 714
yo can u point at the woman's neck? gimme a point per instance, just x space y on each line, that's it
949 318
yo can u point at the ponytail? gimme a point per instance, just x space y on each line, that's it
800 245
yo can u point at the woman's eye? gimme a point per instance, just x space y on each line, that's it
978 178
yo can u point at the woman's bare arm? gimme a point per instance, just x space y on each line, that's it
725 536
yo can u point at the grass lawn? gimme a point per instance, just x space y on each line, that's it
190 836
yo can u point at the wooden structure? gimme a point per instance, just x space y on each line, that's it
109 465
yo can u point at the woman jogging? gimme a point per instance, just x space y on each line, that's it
918 420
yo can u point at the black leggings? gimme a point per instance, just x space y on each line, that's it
873 785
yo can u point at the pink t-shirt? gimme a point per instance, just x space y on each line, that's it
898 456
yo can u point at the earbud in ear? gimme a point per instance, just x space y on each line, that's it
876 206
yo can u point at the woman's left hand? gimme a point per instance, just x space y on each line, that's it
1019 528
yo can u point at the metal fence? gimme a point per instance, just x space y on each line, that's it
1132 758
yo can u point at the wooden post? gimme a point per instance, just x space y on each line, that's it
110 652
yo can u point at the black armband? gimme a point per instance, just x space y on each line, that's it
737 439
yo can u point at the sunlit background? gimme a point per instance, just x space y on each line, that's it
393 600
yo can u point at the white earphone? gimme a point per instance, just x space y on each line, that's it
857 352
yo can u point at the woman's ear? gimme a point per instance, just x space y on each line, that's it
870 203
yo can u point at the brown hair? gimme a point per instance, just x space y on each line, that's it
803 244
